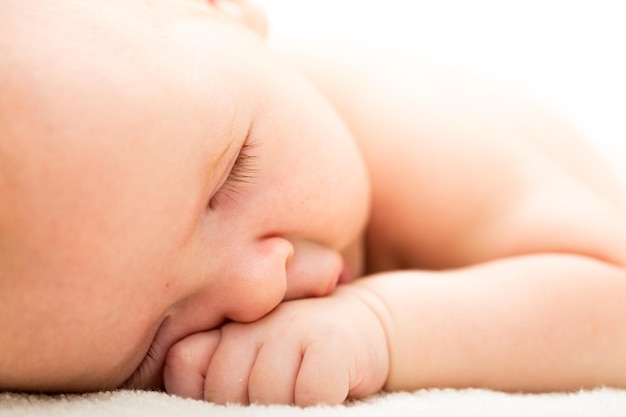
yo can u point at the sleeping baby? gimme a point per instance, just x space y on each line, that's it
185 207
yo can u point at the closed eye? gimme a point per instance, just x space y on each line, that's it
242 172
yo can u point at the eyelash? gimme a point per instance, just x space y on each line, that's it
242 172
136 380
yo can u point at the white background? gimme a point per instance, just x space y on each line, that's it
571 54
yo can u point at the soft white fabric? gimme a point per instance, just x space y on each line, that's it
427 403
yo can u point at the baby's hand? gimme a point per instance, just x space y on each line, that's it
309 351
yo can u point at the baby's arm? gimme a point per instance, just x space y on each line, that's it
527 323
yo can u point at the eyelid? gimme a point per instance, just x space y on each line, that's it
241 171
228 168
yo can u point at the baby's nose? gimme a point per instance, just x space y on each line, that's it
313 270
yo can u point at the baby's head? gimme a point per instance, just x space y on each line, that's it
160 172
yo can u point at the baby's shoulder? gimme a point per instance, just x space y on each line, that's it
463 169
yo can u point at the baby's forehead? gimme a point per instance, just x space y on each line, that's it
72 70
65 30
65 74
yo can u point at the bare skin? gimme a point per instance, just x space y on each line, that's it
491 297
206 235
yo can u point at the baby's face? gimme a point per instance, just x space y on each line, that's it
161 172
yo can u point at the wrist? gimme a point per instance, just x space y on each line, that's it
378 311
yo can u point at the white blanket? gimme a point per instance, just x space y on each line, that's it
541 47
427 403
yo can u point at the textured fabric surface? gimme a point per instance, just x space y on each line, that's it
436 403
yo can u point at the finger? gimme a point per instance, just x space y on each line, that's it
186 364
228 373
273 376
323 376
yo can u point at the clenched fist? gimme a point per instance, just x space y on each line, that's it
309 351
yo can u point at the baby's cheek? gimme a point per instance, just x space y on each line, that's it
186 364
